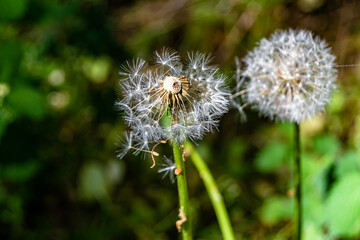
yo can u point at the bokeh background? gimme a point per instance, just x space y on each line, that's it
59 175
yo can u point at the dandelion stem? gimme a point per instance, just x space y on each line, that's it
297 183
213 192
183 224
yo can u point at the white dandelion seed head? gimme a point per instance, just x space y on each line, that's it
290 76
190 95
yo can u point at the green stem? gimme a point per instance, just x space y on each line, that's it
297 182
213 192
183 194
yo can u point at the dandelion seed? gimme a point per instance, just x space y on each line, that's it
191 97
168 167
125 145
289 76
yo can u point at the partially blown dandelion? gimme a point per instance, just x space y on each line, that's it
289 76
192 96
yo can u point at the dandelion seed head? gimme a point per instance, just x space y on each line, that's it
171 99
290 76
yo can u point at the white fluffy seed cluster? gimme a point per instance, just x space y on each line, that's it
289 76
171 100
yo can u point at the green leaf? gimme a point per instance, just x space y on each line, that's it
276 209
20 172
27 101
13 211
10 58
271 157
349 163
326 144
313 232
235 151
312 206
286 129
315 173
12 9
342 208
6 118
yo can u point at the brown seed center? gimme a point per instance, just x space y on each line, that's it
172 84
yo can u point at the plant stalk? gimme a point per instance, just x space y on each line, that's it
297 183
184 223
213 192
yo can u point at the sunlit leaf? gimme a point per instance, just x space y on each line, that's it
315 173
276 209
271 157
349 163
342 209
313 232
326 144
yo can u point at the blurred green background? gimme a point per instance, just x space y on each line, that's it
59 175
